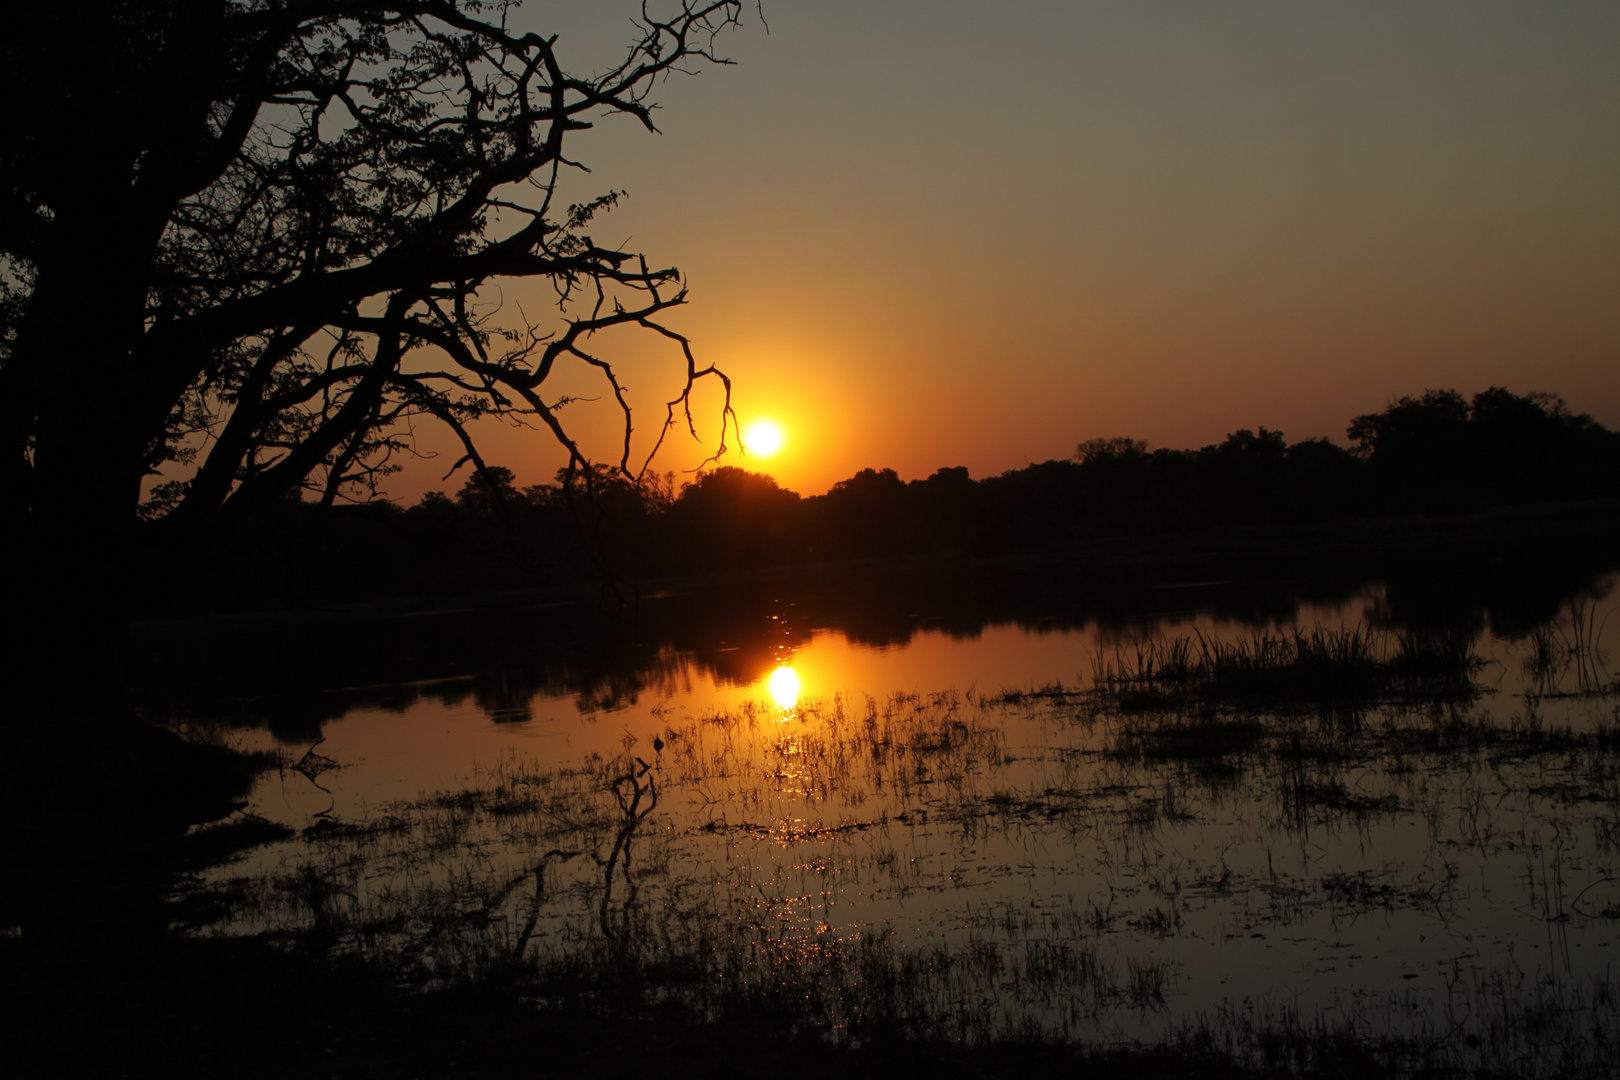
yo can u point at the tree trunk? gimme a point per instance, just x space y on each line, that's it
72 364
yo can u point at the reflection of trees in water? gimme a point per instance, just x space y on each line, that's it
1512 599
508 695
735 633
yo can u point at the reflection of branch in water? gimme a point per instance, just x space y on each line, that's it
538 871
411 953
312 765
630 789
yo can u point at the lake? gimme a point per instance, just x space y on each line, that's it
1008 802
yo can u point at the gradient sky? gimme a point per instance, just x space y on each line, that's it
922 234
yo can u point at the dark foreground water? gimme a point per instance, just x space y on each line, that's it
927 803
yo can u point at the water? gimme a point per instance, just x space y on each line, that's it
844 795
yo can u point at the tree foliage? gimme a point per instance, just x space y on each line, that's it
249 243
1440 450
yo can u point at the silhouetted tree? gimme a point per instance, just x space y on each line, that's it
1417 448
1113 480
948 511
1532 447
1116 448
244 244
1037 504
1440 451
490 492
864 515
1322 480
1241 478
730 517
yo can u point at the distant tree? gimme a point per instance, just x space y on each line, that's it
732 492
868 514
1418 451
1532 448
1322 480
606 509
950 478
1245 445
730 517
1412 429
1534 433
435 508
1110 449
946 511
1037 504
246 244
1440 451
1240 477
1112 483
870 484
490 492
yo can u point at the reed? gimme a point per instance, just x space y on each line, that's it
1303 667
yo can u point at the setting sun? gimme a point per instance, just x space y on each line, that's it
763 437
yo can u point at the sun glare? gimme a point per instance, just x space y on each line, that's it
785 687
763 438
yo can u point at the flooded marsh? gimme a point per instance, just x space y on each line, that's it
1271 840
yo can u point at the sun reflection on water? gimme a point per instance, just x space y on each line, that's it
784 684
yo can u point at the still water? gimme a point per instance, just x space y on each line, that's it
796 784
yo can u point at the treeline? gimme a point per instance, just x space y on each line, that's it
1434 453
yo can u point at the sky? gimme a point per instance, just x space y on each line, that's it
929 233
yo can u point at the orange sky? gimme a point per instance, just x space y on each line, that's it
929 234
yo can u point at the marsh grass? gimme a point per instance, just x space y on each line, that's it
1321 667
1504 1023
1569 650
1036 865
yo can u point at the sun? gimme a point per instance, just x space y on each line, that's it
763 438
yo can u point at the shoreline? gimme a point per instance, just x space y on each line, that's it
1293 547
